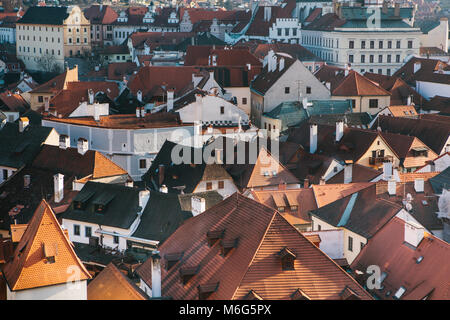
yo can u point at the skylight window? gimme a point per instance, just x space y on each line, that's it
419 259
400 292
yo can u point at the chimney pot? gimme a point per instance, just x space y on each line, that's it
313 138
82 146
419 184
198 205
64 141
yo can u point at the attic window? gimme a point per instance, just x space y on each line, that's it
287 259
280 209
419 259
206 290
349 294
252 295
213 236
299 295
187 273
294 208
99 208
228 245
172 259
50 252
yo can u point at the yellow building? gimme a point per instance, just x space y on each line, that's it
46 35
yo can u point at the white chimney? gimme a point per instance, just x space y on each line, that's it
347 69
267 13
198 205
387 170
58 186
281 64
47 103
414 233
23 123
163 189
218 154
409 100
271 58
91 96
139 95
328 85
138 112
82 146
348 171
214 60
156 275
339 130
419 184
64 141
392 187
417 66
144 195
143 112
312 138
170 94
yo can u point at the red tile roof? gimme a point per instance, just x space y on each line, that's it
425 279
199 55
13 102
29 268
106 15
116 71
357 85
254 261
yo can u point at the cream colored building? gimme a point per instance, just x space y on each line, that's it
46 35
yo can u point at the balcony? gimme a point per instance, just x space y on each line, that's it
379 160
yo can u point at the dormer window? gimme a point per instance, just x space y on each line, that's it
287 258
206 290
228 245
186 273
299 295
252 295
172 259
99 208
349 294
399 292
280 209
213 236
50 252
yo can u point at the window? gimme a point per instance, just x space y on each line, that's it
353 103
70 40
351 44
410 44
372 44
388 72
40 98
350 58
373 103
88 232
5 174
398 44
208 185
363 44
363 58
279 31
294 32
286 31
380 71
116 239
308 90
286 90
142 164
380 44
400 292
244 100
371 58
389 58
350 244
319 227
380 58
221 184
389 44
76 229
222 110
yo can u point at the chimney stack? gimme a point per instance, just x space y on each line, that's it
170 94
414 233
339 130
306 184
144 195
58 185
163 189
198 205
26 181
156 274
348 171
64 141
23 123
397 9
417 66
267 13
218 156
47 103
409 100
392 187
82 146
139 95
387 170
138 112
91 96
419 184
281 65
313 138
160 174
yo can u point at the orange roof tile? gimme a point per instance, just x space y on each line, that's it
328 193
411 176
357 85
17 231
29 268
402 111
111 284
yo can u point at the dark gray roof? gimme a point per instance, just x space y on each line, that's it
165 212
20 148
441 181
45 15
121 205
357 119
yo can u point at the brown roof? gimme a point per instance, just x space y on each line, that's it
199 55
58 83
106 15
125 121
68 100
326 22
329 193
254 261
427 71
425 279
333 75
69 161
13 102
44 236
117 70
359 174
156 39
357 85
112 284
259 26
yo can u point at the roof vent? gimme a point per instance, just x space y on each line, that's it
172 259
187 273
214 235
252 295
419 259
287 258
206 290
299 294
228 245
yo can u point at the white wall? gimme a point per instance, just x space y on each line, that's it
439 164
430 89
228 189
331 242
65 291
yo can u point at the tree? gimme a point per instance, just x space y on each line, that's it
48 63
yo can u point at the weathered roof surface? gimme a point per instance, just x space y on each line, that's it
19 148
70 161
121 205
329 193
165 212
293 49
434 132
200 39
360 212
200 55
441 181
354 119
357 85
303 199
112 284
427 279
57 83
254 261
103 14
427 72
43 236
265 80
13 102
45 15
359 174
